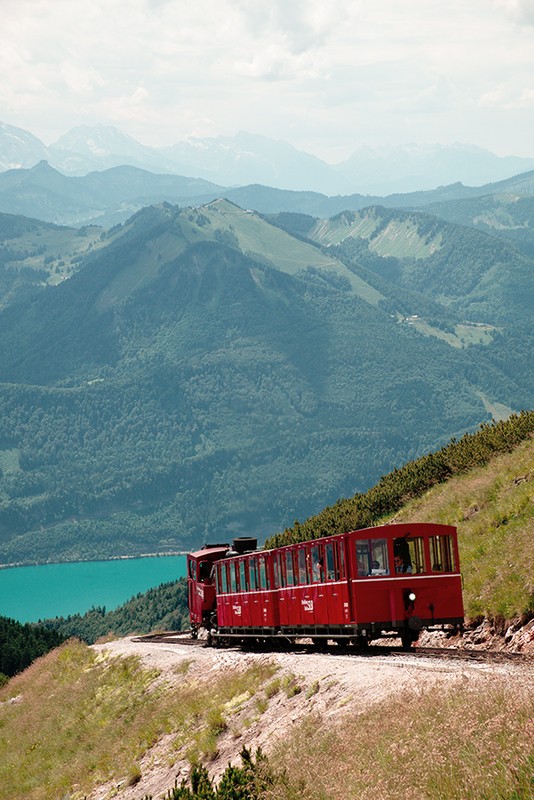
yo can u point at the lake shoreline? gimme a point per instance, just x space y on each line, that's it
16 564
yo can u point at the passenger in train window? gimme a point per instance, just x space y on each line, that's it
376 570
437 568
400 565
318 570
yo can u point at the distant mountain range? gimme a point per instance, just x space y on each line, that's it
111 196
206 371
253 159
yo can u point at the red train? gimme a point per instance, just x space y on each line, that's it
355 587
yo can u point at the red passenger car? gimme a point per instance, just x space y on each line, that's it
355 587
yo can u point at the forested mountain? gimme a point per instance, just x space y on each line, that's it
203 372
104 197
505 215
482 278
112 195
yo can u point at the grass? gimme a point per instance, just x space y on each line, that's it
463 743
267 243
493 508
81 719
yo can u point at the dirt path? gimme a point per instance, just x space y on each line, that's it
330 686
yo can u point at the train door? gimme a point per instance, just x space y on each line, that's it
223 599
334 589
265 595
244 584
305 592
288 595
235 597
318 584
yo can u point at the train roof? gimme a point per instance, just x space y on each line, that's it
220 549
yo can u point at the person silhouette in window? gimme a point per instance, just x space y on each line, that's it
401 565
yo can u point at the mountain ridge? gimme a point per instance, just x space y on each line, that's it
247 158
112 196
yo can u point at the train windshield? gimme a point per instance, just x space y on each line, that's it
205 570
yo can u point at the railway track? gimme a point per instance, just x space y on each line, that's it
465 654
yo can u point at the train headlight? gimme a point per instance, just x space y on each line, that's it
411 597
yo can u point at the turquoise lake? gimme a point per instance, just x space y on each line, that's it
28 594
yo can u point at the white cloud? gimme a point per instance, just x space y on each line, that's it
521 11
325 75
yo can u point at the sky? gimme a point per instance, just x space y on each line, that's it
325 75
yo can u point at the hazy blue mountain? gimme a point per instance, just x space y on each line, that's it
250 158
89 148
204 372
104 197
111 196
415 167
19 148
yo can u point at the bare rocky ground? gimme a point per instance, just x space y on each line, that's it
331 685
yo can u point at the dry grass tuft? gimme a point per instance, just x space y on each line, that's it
458 744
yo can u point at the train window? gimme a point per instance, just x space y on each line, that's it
332 572
363 559
340 546
442 554
276 571
301 567
372 557
233 576
224 578
252 574
317 562
264 583
416 554
281 569
401 555
204 570
290 575
193 570
243 577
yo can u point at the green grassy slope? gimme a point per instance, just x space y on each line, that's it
493 509
480 276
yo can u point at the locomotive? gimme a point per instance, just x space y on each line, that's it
389 580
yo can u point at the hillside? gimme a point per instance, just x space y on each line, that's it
203 369
508 216
321 719
104 198
419 252
315 715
